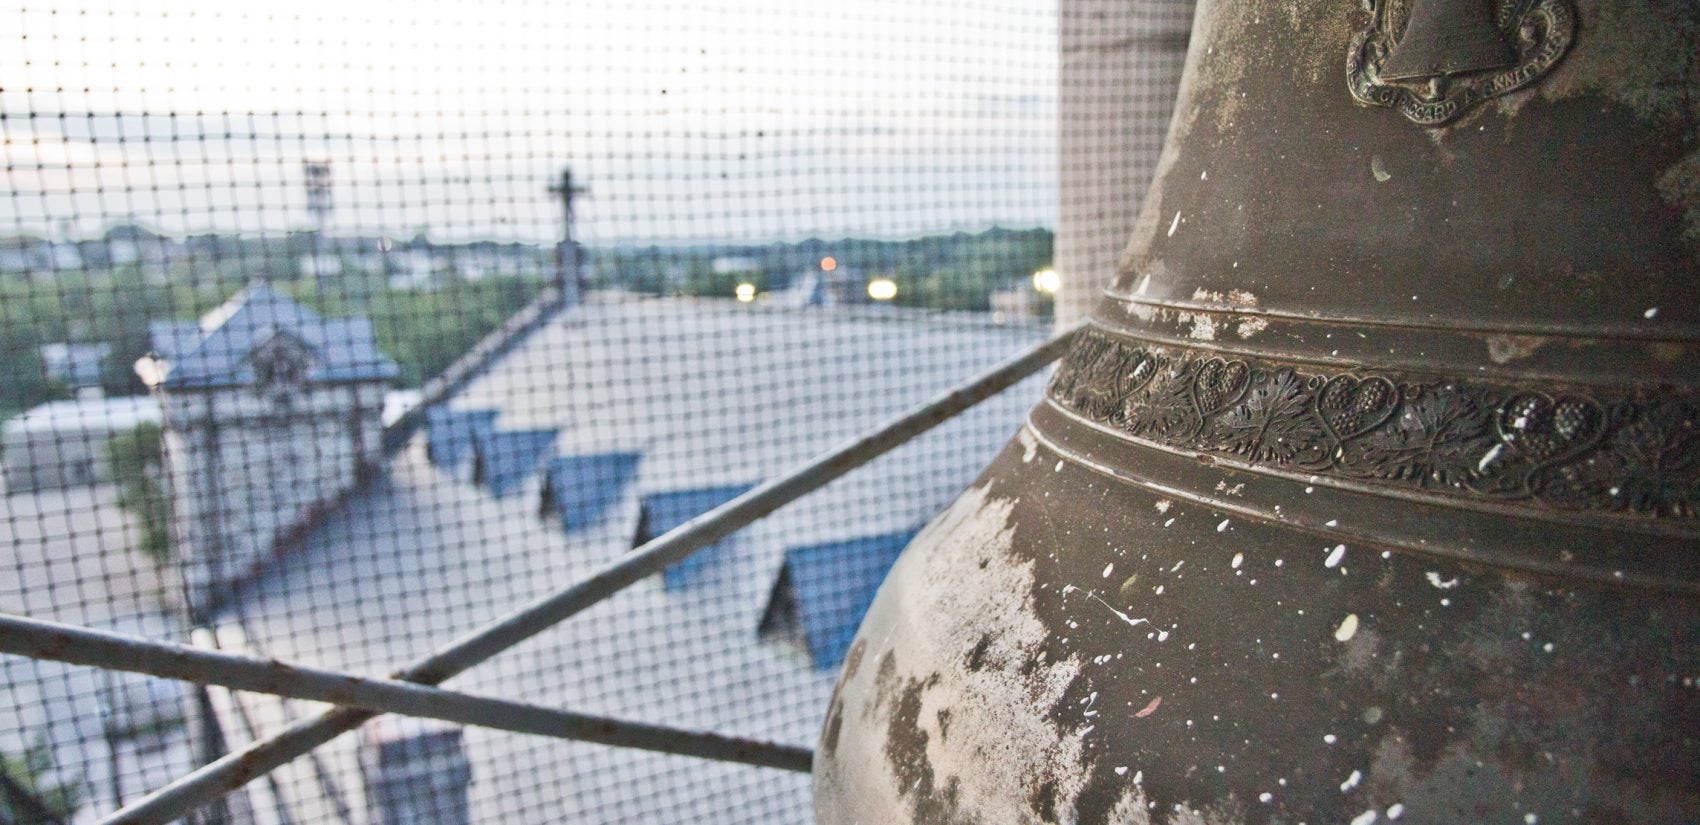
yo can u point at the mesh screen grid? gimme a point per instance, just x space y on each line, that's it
333 331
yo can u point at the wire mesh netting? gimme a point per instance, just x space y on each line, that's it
332 332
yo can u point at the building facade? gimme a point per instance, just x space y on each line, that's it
271 415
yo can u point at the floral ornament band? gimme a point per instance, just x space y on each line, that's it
1636 453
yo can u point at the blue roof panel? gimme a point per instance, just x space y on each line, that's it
506 458
450 434
833 584
664 511
582 487
171 339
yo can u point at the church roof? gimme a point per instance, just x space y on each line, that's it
215 352
674 404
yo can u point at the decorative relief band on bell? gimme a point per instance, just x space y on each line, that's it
1435 59
1636 452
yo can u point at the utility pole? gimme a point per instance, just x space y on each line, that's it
568 275
316 175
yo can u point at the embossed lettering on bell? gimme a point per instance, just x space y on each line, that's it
1372 492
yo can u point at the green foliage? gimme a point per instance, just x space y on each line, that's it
31 772
951 272
702 281
136 458
962 271
425 331
112 307
946 288
23 381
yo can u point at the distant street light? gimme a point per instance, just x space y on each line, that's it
882 289
828 264
746 293
1047 281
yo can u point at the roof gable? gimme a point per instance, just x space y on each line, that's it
578 489
824 590
215 352
662 512
282 361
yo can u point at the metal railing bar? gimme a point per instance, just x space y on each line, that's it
221 776
328 787
116 651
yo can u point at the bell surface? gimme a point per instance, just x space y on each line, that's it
1371 492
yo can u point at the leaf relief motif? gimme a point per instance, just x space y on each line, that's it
1438 438
1273 423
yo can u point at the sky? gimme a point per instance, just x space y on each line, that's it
688 121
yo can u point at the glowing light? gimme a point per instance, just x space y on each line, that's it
828 264
746 293
1047 281
882 289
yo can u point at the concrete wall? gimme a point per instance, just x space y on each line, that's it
63 443
247 469
1120 68
52 459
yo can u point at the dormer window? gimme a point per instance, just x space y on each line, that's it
280 365
278 371
578 489
822 592
661 512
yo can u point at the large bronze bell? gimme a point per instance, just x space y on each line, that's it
1373 491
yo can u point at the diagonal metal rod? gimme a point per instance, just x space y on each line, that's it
221 776
116 651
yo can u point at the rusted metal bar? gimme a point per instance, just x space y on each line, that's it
189 792
116 651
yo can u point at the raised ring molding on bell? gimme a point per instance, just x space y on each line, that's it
1629 451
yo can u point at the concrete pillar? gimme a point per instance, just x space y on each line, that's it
1120 68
